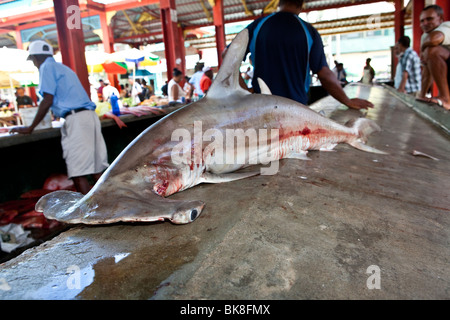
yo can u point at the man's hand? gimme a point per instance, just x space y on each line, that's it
43 108
357 103
22 130
334 88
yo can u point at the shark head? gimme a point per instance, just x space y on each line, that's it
187 212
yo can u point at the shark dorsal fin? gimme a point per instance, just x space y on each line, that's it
227 79
263 86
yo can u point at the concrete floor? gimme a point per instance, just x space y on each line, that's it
310 232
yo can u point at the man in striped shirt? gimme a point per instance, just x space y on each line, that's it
410 68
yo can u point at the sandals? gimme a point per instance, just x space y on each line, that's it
433 100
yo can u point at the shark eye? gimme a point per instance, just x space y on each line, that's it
194 214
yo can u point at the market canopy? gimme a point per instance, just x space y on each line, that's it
6 81
139 21
115 67
15 60
142 73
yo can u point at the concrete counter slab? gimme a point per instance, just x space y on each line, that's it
316 230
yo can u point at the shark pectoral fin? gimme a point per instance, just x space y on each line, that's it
328 147
226 177
358 144
264 87
298 155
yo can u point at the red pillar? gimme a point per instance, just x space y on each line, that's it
399 20
108 45
445 4
220 29
19 42
71 39
173 43
418 6
32 94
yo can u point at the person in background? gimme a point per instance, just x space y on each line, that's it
435 55
151 88
164 88
23 101
285 49
174 90
100 90
145 91
84 148
248 76
4 103
136 90
195 80
108 91
411 77
398 70
206 80
127 90
187 86
341 74
368 73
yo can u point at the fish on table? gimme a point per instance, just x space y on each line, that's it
191 146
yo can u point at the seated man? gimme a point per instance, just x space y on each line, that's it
435 54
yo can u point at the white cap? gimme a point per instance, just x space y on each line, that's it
40 47
206 69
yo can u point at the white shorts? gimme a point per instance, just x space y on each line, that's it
84 148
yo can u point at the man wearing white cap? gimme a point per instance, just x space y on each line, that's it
84 148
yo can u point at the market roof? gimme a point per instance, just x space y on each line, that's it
138 21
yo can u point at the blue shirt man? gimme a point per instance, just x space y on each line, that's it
285 49
63 79
84 148
286 72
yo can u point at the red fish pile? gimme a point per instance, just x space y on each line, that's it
21 211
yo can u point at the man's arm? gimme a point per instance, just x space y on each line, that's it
334 88
175 92
401 87
43 108
433 39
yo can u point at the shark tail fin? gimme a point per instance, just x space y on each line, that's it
227 79
363 128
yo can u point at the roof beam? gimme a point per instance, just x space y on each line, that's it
129 4
310 6
28 16
94 6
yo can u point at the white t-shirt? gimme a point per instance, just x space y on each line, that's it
108 91
181 92
195 80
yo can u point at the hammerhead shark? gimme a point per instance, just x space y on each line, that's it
192 145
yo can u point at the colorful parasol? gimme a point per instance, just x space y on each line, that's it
115 67
148 63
